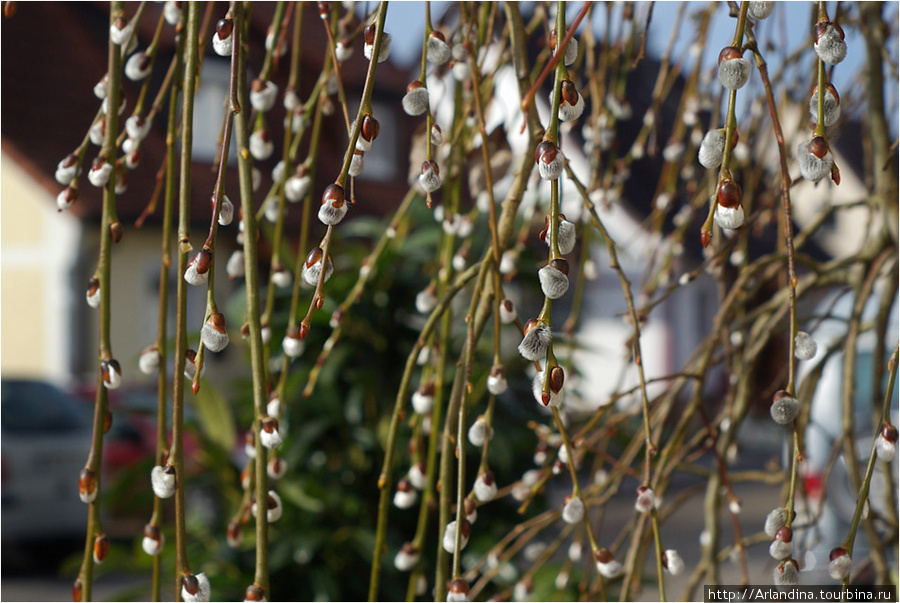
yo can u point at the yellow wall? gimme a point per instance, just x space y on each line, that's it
22 218
36 246
23 333
46 258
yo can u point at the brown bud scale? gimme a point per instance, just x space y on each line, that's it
728 53
729 193
224 28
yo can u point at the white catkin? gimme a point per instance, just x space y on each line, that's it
383 53
115 378
437 51
163 483
534 344
88 497
263 100
226 211
426 300
565 237
840 567
282 279
573 511
172 12
100 176
779 549
65 174
93 300
430 181
202 595
292 346
96 133
148 363
537 388
291 100
137 127
804 346
760 10
152 546
222 47
297 187
644 501
830 47
571 49
496 384
479 432
357 164
730 218
449 540
235 265
507 314
775 520
734 73
273 514
422 403
672 152
832 108
212 339
273 407
416 477
674 562
260 148
811 167
133 69
610 570
120 36
270 440
415 102
784 410
330 215
785 573
484 492
554 283
569 112
343 52
508 261
885 449
712 149
404 561
551 170
437 137
405 499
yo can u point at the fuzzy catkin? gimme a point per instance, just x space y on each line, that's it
734 73
813 168
712 149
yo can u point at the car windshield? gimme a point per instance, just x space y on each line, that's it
37 407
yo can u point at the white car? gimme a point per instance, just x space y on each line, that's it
831 493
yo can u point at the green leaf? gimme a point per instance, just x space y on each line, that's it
295 493
214 415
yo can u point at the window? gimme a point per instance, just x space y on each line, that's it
209 107
381 161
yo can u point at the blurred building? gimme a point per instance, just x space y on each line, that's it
48 258
48 106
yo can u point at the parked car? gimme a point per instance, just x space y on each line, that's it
46 436
132 436
833 493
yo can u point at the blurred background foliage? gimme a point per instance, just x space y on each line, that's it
334 439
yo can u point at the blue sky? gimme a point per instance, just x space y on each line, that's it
790 20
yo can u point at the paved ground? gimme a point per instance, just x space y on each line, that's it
109 588
682 532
